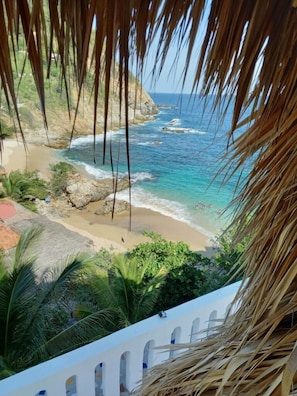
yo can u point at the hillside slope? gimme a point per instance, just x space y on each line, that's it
141 106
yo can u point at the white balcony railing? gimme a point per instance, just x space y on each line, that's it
115 364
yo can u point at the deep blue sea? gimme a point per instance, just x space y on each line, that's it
172 172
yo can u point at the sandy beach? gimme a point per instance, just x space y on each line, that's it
103 230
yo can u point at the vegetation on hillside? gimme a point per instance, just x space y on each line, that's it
60 97
120 285
189 274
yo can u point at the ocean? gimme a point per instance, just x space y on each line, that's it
174 162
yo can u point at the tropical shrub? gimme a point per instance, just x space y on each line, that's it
186 270
163 253
6 131
190 274
24 187
183 283
60 173
228 259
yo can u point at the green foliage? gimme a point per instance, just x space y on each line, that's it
90 297
24 187
2 193
163 253
121 286
27 310
228 259
190 274
187 275
6 131
60 174
62 167
182 284
27 94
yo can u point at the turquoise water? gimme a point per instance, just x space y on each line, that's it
172 173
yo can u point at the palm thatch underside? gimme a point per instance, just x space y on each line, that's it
249 53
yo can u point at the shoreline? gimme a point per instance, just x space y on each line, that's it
104 231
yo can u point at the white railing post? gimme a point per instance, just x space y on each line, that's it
111 376
134 368
85 383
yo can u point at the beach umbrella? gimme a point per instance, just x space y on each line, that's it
247 53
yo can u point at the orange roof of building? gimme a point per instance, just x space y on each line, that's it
8 238
7 209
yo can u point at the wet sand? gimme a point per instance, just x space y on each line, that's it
103 230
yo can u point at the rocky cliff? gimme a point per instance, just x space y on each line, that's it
140 108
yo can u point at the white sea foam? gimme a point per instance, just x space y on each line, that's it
143 199
174 121
141 176
98 173
181 130
156 143
196 131
145 143
106 174
84 140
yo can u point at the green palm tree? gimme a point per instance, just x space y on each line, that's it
13 184
24 307
122 288
22 186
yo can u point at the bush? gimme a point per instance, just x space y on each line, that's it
6 131
182 284
60 174
228 260
190 274
164 253
187 271
24 187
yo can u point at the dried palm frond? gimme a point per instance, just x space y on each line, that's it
248 54
254 352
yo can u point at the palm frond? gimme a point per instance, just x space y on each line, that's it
52 285
27 240
146 297
15 295
90 328
64 271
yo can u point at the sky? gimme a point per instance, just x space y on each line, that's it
170 80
